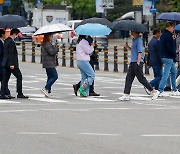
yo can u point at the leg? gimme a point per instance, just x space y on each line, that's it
173 77
6 76
129 79
92 86
167 66
86 71
17 73
157 70
140 76
82 88
53 76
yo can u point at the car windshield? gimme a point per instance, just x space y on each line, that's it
76 24
27 29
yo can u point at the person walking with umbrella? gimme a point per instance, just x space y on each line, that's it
93 61
136 67
49 62
83 50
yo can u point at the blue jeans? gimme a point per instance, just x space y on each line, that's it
87 72
157 76
52 76
169 67
168 84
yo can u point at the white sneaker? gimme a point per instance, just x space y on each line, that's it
155 95
163 94
175 93
124 98
178 81
50 95
45 92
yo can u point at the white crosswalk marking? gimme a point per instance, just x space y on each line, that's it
95 99
48 100
9 102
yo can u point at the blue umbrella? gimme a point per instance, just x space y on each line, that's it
177 27
169 16
93 29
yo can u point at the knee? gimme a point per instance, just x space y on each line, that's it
93 76
55 77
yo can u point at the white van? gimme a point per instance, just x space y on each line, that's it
72 37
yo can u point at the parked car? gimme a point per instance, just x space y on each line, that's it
26 33
101 40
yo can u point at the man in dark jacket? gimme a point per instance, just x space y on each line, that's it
2 38
11 65
154 58
168 58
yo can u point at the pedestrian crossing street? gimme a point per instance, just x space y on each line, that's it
109 85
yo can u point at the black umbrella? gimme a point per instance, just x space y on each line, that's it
169 16
129 25
102 21
12 21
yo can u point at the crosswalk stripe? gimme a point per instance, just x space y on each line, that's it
48 100
95 99
8 102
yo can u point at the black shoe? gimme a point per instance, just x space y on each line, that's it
22 96
75 89
10 97
94 94
167 89
4 97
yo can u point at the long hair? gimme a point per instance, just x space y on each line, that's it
46 38
80 38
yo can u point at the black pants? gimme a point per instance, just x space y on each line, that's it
91 90
7 91
7 73
135 70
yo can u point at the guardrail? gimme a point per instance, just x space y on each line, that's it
67 53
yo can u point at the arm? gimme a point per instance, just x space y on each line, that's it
86 47
50 49
158 50
140 50
148 59
1 49
10 49
127 46
139 57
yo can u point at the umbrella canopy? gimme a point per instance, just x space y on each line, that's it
129 25
177 27
54 28
102 21
12 21
93 30
169 16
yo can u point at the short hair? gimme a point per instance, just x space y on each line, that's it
169 24
14 31
136 32
156 30
2 32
